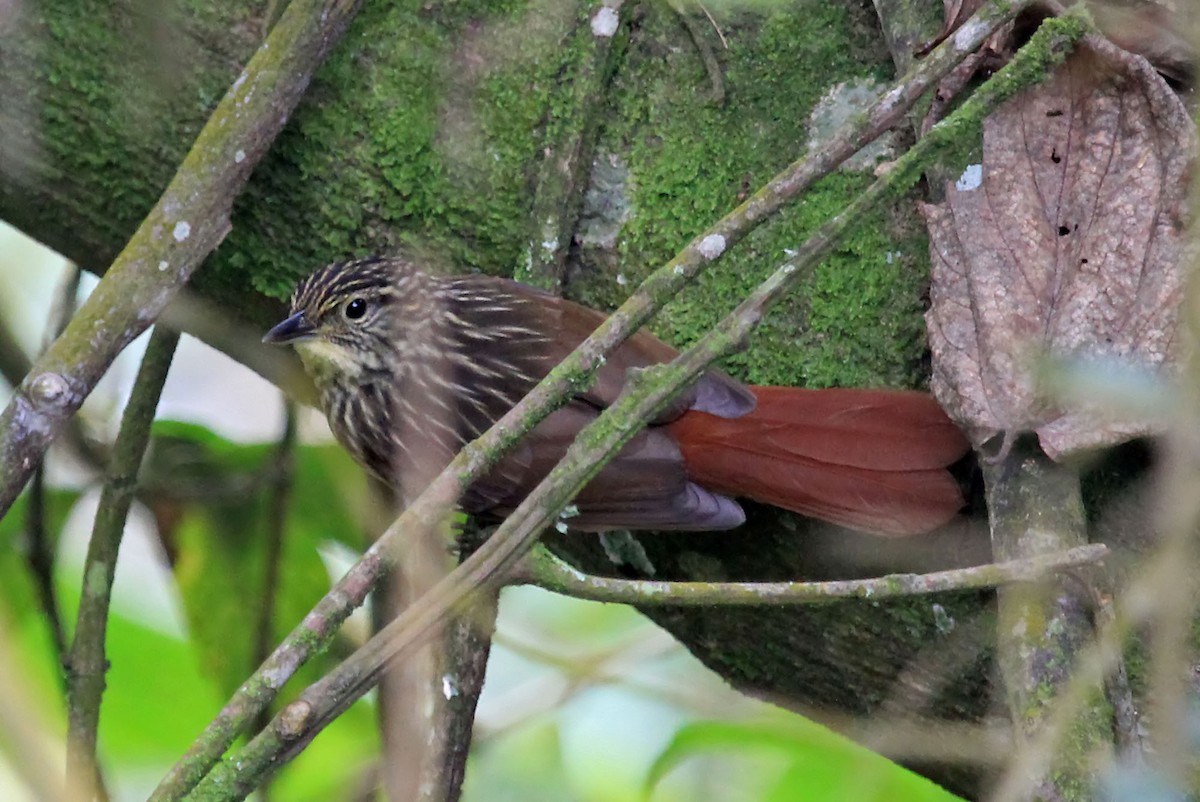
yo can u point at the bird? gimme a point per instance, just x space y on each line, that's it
410 366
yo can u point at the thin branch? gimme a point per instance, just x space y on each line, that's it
707 57
280 489
14 363
315 632
465 647
39 557
545 570
188 222
87 664
645 394
40 554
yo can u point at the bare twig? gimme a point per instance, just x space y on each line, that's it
466 645
544 569
646 393
318 627
716 27
40 554
14 363
87 664
186 224
280 490
709 59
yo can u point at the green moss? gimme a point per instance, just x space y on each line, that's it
858 321
118 93
425 139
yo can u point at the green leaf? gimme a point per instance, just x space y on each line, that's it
222 532
822 765
17 592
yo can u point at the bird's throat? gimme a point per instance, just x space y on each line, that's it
328 362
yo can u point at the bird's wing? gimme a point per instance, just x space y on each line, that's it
509 306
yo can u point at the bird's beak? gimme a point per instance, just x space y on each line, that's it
295 328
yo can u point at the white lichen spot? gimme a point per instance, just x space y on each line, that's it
182 230
971 178
942 620
712 246
163 265
550 246
678 270
241 79
621 279
569 511
97 578
790 252
788 269
605 22
963 37
239 156
448 689
560 527
276 677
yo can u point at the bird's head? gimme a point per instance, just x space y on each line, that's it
344 317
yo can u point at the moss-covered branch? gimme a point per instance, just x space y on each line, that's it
189 220
544 569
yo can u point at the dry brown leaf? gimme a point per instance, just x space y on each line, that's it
1072 245
1156 30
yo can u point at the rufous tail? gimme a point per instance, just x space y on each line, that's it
873 460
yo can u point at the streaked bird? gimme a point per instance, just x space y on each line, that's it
411 366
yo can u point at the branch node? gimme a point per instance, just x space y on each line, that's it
294 720
49 391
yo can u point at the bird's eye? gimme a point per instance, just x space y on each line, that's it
355 309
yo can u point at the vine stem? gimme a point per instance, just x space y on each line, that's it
86 663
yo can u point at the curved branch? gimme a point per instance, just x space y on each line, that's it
545 570
86 664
